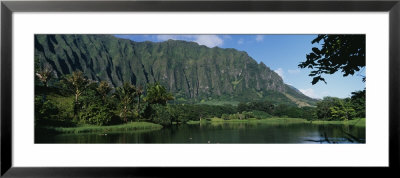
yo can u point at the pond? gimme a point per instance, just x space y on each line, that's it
225 132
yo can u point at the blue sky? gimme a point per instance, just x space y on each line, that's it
282 53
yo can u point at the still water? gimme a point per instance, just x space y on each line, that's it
243 132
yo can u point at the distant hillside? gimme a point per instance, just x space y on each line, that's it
192 72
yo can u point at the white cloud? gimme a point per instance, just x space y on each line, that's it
280 72
259 38
209 40
309 92
295 71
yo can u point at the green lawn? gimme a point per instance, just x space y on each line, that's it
356 122
104 129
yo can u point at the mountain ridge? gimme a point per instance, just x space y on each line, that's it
187 69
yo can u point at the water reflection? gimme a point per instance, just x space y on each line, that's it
223 132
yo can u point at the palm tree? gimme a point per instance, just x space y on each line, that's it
78 83
139 92
158 94
104 88
125 95
45 75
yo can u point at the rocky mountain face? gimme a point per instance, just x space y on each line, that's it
188 70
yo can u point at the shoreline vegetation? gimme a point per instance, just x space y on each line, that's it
131 126
94 84
76 105
148 126
359 122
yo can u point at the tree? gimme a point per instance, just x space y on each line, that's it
45 75
345 53
96 114
242 107
331 108
323 110
158 94
45 110
358 102
104 88
78 83
161 115
125 94
139 92
342 111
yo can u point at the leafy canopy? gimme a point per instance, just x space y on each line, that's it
158 94
45 74
125 94
345 53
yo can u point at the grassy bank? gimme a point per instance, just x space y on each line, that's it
361 122
104 129
134 126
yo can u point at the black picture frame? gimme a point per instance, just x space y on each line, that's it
8 7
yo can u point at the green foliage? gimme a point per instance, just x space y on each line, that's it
183 113
323 111
342 112
266 109
294 112
193 73
44 75
104 89
307 113
238 116
331 108
260 114
131 126
265 106
179 115
161 115
94 109
77 82
190 71
126 95
45 110
96 115
344 53
358 102
158 94
225 116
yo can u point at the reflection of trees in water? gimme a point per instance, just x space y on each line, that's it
225 132
340 133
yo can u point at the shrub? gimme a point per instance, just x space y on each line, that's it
96 115
225 116
160 115
248 115
45 109
260 114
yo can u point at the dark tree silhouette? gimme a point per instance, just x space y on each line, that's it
344 53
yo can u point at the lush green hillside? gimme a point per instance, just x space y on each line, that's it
192 72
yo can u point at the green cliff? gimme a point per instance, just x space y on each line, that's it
192 72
